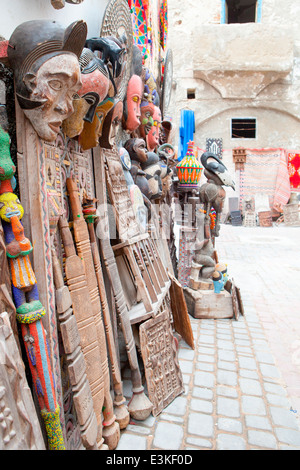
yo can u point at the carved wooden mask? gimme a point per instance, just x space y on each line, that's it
94 75
147 111
152 169
152 137
134 96
92 131
44 57
137 149
111 125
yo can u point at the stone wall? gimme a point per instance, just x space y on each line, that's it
237 71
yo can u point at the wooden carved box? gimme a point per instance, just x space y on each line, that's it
163 374
265 219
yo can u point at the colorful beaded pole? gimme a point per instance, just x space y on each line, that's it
26 298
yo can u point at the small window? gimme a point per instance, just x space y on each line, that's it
191 94
241 11
243 128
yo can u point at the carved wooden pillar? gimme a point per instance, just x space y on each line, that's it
33 194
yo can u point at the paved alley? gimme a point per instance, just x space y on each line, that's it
242 380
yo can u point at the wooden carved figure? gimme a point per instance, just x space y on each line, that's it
212 196
73 125
83 399
29 310
44 58
211 193
150 89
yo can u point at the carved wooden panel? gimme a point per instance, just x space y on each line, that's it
19 424
126 223
83 401
64 159
163 374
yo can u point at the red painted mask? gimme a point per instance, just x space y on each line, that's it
147 112
152 138
134 96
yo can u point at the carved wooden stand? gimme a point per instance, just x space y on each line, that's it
139 406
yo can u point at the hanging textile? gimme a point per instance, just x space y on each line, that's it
186 131
139 24
294 170
282 189
260 172
163 23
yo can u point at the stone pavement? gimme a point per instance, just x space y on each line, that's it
242 380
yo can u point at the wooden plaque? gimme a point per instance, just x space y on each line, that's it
163 374
180 314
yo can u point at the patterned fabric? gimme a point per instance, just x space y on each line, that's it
139 24
163 23
186 131
260 172
283 188
294 170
